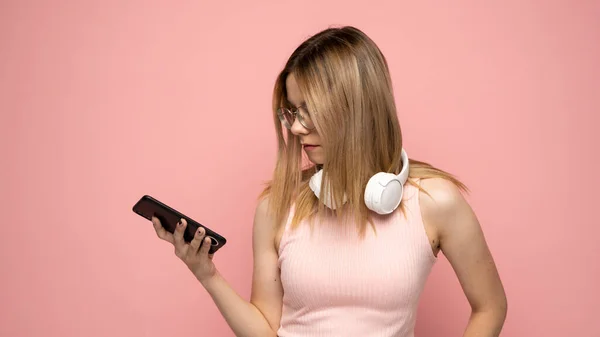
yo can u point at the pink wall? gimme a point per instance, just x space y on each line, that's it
104 101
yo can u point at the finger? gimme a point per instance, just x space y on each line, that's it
195 243
205 246
161 231
179 230
178 235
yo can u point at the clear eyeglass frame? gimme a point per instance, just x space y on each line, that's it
288 117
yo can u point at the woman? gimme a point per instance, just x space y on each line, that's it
332 255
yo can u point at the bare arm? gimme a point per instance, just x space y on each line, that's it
260 316
463 243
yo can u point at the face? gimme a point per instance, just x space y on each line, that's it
309 138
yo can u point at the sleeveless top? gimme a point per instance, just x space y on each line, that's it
337 284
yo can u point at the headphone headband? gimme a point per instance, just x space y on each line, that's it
403 175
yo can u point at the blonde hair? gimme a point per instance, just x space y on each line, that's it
346 85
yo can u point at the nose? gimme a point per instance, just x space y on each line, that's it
299 129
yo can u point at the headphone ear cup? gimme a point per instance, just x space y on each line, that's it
383 193
315 183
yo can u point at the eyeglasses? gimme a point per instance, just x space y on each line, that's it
288 116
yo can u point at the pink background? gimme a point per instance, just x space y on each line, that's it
102 102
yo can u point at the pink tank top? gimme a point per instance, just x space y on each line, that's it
336 284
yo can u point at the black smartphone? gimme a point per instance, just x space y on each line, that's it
148 207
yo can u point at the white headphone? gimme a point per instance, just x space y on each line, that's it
383 192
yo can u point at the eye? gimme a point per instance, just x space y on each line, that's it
304 108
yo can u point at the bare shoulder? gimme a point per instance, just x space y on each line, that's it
264 224
262 209
441 202
441 194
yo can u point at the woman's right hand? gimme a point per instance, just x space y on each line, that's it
194 254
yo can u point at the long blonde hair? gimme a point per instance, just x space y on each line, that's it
346 85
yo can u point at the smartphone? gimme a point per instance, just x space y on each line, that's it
148 207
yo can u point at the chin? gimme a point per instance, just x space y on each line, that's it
316 161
